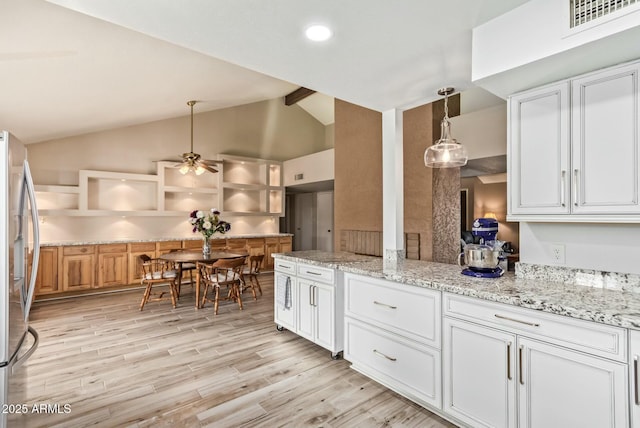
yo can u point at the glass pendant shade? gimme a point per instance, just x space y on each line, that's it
184 169
445 152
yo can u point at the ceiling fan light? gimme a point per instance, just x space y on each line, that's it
199 170
184 169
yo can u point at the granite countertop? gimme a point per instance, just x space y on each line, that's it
190 238
617 307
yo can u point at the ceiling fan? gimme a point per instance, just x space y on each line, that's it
192 161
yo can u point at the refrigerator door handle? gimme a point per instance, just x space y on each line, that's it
28 180
26 355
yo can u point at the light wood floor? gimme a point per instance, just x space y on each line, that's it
118 367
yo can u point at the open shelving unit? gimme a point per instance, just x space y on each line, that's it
242 187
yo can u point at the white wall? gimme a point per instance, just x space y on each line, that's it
315 167
483 132
606 247
533 44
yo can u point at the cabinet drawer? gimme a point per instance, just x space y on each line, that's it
593 338
112 248
285 266
316 273
169 245
78 250
411 311
402 365
138 247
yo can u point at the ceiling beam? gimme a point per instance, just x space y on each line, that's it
297 95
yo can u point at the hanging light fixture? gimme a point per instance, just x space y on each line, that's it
445 152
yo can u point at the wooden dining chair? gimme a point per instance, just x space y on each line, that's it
223 272
156 272
186 266
250 274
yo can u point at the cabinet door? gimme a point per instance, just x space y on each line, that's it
286 244
538 151
558 387
285 317
605 142
479 374
306 309
271 246
47 276
325 303
634 377
78 272
112 269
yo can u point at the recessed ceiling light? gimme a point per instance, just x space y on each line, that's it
318 33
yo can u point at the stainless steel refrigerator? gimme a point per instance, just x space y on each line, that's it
19 241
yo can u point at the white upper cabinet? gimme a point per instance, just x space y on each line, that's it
538 151
573 149
605 141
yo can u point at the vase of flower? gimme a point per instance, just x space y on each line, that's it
208 224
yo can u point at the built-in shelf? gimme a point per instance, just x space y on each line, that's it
243 186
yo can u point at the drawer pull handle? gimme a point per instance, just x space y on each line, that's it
384 304
520 351
635 379
313 273
284 267
502 317
375 351
509 360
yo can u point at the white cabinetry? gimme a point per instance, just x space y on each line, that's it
539 151
564 372
317 311
634 376
573 149
392 334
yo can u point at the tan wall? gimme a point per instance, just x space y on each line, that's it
418 180
358 169
493 198
267 129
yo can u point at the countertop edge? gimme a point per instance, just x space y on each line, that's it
133 240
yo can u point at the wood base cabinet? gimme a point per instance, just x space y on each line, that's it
47 276
564 372
78 267
112 265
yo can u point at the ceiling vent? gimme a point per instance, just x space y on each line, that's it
583 11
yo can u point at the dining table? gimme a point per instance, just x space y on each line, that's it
187 256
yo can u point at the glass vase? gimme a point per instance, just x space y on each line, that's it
206 249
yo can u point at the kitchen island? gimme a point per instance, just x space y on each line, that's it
545 346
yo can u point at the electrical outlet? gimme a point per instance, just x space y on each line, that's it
557 253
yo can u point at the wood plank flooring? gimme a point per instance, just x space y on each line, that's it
118 367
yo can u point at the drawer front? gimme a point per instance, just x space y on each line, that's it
316 273
411 311
403 365
593 338
112 248
138 247
285 266
169 245
78 250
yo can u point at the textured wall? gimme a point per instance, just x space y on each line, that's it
418 179
358 169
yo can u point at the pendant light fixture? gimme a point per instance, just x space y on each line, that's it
445 152
192 161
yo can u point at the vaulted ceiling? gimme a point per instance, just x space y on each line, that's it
77 66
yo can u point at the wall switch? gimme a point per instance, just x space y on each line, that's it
557 254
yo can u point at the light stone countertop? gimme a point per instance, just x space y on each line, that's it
607 306
190 238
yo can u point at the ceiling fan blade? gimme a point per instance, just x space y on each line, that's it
207 167
211 161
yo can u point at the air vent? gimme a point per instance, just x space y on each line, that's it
583 11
